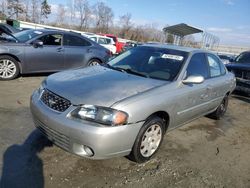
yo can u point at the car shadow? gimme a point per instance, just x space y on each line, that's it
22 166
37 74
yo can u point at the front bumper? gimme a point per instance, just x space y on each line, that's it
73 136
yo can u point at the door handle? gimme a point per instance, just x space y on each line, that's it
60 49
89 50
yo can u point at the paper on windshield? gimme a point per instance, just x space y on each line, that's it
38 32
174 57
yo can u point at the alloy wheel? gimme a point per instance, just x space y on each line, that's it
7 68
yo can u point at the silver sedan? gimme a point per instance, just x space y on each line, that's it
125 107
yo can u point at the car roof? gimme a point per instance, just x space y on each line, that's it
176 47
56 30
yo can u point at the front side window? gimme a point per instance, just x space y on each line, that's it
150 62
198 65
51 39
214 65
71 40
93 38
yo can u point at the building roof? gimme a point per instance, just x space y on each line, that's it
181 30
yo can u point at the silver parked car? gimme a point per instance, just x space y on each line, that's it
33 51
126 107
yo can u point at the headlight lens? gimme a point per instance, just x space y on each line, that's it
41 87
103 115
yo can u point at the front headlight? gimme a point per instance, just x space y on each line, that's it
102 115
41 87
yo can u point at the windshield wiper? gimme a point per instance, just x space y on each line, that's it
114 68
131 71
128 70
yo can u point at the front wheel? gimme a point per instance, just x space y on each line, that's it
9 68
148 140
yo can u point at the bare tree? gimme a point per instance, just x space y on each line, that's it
104 17
61 12
126 25
3 8
71 5
27 9
45 10
15 7
83 10
35 11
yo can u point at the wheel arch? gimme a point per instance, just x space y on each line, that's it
95 58
14 57
163 115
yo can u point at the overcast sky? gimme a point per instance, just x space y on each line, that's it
227 19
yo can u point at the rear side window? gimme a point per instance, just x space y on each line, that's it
71 40
214 65
198 65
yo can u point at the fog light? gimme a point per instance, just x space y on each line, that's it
82 150
88 151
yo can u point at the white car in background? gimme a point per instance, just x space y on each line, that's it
104 41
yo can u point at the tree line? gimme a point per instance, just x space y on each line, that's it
84 16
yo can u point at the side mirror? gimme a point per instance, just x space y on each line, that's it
37 43
193 80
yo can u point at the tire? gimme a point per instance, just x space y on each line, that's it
221 109
148 140
9 68
94 62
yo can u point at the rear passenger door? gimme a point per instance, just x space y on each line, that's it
217 81
76 50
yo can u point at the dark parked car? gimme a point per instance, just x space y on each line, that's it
5 28
33 51
225 58
241 68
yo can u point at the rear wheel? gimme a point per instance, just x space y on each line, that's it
94 62
148 140
221 109
9 68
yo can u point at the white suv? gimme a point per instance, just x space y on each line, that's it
104 41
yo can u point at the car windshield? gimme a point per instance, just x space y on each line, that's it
243 58
150 62
26 35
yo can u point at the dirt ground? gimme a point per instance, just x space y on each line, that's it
204 153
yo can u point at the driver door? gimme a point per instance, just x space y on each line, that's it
46 58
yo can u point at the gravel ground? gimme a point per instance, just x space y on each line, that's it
204 153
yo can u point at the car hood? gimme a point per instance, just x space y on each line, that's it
243 66
98 85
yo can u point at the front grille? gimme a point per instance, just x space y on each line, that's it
242 74
54 101
56 137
